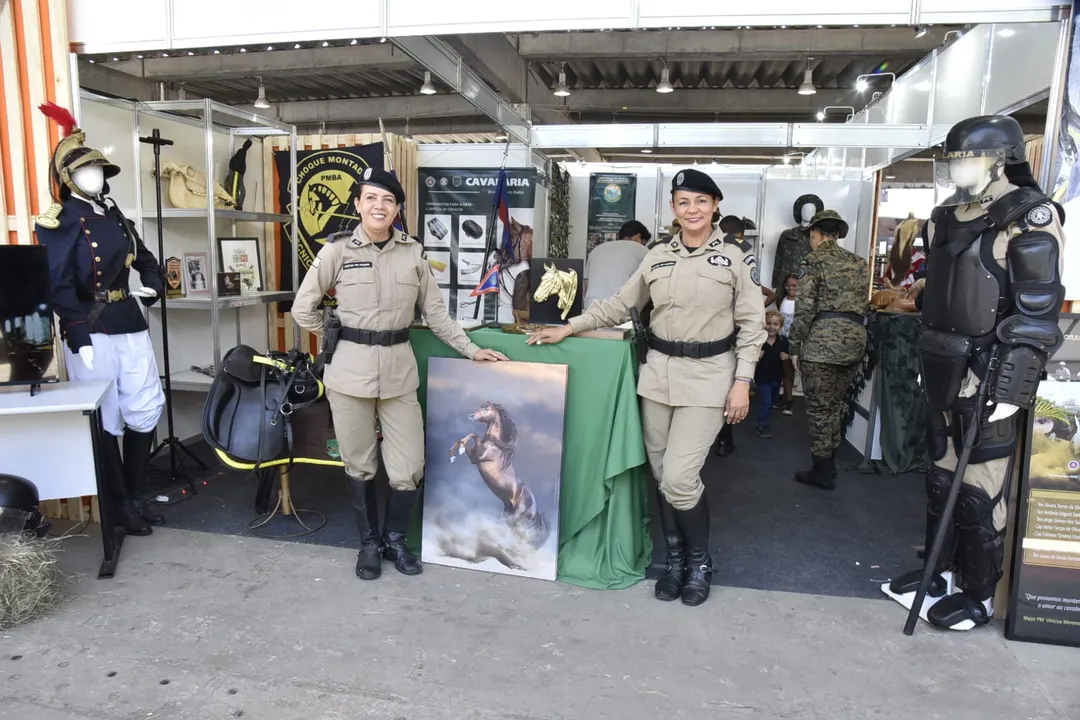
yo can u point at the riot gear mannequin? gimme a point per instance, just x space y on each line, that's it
993 283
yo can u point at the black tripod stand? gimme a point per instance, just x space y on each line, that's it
176 464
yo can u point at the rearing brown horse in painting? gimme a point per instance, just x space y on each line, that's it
493 456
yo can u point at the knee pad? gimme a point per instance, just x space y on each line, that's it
974 508
938 483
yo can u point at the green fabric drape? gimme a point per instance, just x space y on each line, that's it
603 536
900 398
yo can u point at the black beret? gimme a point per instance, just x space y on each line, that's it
696 181
384 181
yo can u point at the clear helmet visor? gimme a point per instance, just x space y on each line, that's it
12 521
964 177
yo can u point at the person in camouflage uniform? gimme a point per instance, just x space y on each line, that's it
794 244
828 338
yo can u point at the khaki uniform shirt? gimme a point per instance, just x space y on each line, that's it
698 295
972 211
376 289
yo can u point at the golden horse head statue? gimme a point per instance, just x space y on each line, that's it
556 281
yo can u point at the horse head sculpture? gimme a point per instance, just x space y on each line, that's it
556 281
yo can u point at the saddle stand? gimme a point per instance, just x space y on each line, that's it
247 420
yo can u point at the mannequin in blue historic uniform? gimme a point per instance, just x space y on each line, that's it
93 249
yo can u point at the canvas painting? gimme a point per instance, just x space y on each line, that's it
494 465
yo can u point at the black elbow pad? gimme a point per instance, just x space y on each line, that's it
1043 335
1033 274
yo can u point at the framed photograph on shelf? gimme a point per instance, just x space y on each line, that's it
196 273
241 255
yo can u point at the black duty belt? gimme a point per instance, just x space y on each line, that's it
692 349
852 316
375 337
111 296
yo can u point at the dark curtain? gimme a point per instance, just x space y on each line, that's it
900 398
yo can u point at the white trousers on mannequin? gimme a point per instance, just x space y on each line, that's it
136 399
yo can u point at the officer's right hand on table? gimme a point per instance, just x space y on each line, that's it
489 355
550 335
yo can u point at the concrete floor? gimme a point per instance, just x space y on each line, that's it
210 626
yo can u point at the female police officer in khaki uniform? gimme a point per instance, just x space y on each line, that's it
379 276
702 285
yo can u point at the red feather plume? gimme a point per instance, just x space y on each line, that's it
59 115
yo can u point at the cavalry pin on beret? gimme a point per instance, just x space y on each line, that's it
696 181
384 181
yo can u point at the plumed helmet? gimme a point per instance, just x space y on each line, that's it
830 223
18 504
984 135
71 152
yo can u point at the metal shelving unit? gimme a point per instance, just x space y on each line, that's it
218 123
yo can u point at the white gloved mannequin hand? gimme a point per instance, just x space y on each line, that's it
86 352
1002 411
145 292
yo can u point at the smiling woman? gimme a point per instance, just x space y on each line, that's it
702 284
380 276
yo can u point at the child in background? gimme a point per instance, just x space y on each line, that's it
787 310
770 370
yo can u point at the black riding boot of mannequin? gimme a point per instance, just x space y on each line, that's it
670 585
694 525
127 515
399 512
366 512
137 448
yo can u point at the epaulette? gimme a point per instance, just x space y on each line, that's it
50 219
1010 207
739 243
334 237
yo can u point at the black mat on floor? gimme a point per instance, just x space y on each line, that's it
773 534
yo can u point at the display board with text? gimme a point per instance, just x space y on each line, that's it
1044 601
612 203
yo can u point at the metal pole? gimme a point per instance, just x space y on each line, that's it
1056 102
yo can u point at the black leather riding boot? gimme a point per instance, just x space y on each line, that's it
126 514
137 448
694 525
669 586
399 512
366 512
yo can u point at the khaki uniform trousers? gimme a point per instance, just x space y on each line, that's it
677 442
988 477
402 431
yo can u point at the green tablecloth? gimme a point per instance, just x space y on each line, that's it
603 538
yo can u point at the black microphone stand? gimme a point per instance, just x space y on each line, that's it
176 466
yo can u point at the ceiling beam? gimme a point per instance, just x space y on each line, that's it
734 101
367 110
718 45
107 81
280 63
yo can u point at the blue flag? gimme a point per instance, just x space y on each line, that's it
489 284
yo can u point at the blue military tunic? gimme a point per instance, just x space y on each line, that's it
90 261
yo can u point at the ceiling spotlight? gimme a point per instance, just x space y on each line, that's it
821 115
261 102
217 52
807 87
382 39
296 46
164 54
664 86
861 85
353 42
920 30
1006 32
647 151
91 61
190 53
243 49
116 59
428 88
561 89
269 47
138 56
787 160
325 43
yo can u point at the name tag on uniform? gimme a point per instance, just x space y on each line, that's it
719 261
356 264
666 263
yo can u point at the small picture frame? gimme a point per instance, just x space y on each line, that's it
228 284
241 255
174 278
197 274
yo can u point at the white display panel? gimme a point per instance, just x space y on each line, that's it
908 103
241 21
663 13
145 25
1010 80
986 11
111 129
961 73
437 17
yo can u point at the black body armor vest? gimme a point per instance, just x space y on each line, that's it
966 289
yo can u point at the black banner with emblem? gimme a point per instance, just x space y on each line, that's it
1044 597
612 203
327 182
455 210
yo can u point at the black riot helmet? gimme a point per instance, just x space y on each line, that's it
986 134
18 505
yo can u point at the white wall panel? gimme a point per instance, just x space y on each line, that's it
145 24
961 78
987 11
909 101
664 13
1019 52
439 17
242 21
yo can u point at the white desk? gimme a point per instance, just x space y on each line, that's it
47 438
53 439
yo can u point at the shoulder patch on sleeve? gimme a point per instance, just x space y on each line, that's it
755 276
802 271
739 243
1040 216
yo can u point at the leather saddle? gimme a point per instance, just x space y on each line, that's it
246 418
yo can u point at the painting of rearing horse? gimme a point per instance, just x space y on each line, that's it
494 465
493 455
